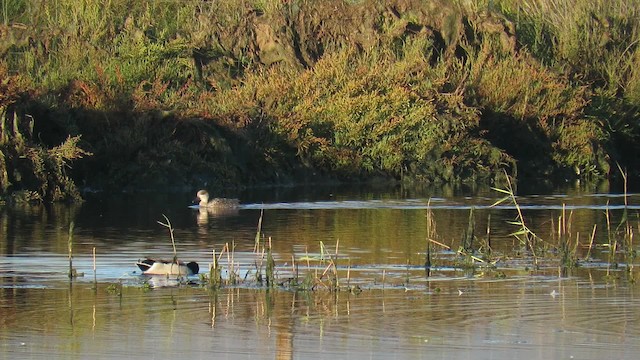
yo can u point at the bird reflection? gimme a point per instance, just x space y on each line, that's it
205 213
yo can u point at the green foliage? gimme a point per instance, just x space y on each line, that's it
578 148
373 113
27 168
517 86
594 40
262 89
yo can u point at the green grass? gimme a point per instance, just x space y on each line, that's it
264 90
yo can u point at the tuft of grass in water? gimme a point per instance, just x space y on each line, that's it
431 235
567 247
469 234
270 267
485 245
215 274
630 253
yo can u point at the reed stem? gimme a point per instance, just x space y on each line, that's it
173 241
72 273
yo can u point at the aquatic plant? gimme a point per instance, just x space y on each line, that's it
270 266
72 273
566 244
167 224
524 234
215 274
431 234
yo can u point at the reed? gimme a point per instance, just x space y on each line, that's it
431 235
524 234
485 246
72 274
612 243
270 267
167 224
565 244
628 234
256 246
231 263
215 274
591 241
469 234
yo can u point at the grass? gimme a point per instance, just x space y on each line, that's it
524 234
322 273
328 270
29 171
458 95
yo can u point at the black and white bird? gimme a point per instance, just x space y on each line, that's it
165 267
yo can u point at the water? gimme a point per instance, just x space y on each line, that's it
380 234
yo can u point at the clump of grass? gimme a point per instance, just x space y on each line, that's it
485 242
271 266
28 169
469 234
595 38
367 113
520 88
567 246
388 101
215 274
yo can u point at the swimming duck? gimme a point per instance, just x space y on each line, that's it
203 197
165 267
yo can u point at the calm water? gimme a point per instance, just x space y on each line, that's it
381 238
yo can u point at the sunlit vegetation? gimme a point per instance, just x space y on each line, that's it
27 169
230 92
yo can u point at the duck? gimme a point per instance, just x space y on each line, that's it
216 203
165 267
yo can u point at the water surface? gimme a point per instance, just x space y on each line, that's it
380 236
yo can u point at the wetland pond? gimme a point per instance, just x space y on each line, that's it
385 306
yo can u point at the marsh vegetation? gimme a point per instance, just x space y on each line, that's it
227 92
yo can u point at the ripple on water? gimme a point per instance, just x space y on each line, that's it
399 313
